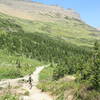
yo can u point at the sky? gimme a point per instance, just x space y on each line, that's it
88 9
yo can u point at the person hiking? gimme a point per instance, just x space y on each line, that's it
30 81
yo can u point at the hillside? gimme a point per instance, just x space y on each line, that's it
35 11
71 30
52 20
34 34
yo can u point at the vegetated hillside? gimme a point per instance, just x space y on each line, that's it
66 42
38 45
54 20
41 46
13 65
70 30
33 40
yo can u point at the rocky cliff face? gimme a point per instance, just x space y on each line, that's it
35 11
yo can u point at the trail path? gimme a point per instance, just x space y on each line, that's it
34 93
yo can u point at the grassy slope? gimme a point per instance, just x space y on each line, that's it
62 29
63 88
9 67
71 30
9 62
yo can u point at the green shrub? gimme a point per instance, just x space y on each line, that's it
26 93
9 97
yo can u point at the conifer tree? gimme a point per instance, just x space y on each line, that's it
95 69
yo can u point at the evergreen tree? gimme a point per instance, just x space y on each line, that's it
95 69
89 71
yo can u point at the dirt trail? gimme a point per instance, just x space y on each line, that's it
34 93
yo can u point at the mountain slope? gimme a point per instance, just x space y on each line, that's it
70 29
52 20
66 42
39 45
35 11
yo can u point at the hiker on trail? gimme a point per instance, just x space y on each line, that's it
30 81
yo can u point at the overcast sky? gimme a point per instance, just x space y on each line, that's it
88 9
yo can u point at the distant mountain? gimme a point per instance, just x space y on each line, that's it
35 11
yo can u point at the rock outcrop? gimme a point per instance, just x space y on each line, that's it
35 11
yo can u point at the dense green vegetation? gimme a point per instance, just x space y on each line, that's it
9 97
20 44
16 66
86 86
57 51
33 45
91 73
